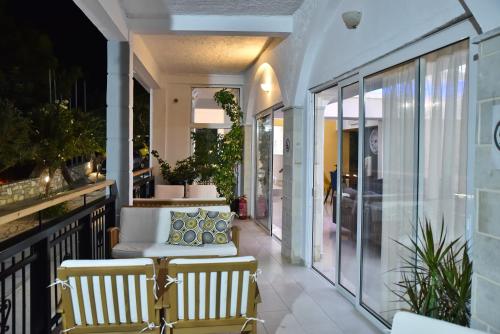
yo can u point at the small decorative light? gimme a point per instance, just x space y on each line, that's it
46 179
351 19
266 87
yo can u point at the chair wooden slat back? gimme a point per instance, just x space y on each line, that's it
108 295
213 294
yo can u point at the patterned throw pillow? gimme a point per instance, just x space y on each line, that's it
185 228
217 227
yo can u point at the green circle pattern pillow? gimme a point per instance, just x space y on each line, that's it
217 227
185 228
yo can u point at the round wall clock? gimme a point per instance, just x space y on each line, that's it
496 136
373 141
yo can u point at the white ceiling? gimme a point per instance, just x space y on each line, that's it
163 8
181 54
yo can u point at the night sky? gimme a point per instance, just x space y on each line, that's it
76 41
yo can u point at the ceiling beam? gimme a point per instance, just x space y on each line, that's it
107 16
238 25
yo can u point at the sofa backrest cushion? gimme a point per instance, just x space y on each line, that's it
152 225
201 191
168 191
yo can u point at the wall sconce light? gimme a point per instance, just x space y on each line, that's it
351 19
266 87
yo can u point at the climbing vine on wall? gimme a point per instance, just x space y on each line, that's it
230 146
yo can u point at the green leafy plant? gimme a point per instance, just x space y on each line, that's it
183 172
436 279
230 147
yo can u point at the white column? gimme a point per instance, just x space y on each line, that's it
119 121
292 243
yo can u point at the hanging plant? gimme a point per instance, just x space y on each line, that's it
230 147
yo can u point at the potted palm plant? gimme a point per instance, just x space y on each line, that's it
436 279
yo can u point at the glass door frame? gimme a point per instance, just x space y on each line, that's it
267 112
353 298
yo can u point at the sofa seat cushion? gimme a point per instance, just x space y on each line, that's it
140 249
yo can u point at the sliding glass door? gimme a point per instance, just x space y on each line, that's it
390 164
263 181
402 161
326 160
269 171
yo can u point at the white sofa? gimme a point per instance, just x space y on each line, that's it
144 232
410 323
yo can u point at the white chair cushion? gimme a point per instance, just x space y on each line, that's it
224 298
152 225
106 263
410 323
237 259
138 249
93 281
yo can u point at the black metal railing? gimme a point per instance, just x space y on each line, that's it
144 183
29 263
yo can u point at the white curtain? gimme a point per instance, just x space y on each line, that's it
399 163
444 151
441 152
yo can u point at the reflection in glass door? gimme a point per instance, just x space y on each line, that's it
277 188
349 139
263 182
326 157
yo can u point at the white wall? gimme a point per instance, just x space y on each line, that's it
178 114
321 47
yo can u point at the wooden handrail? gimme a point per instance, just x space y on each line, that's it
143 171
18 210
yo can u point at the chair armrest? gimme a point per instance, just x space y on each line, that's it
113 236
235 237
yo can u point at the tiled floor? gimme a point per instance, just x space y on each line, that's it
296 299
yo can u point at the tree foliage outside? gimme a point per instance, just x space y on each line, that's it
61 133
141 116
38 126
15 134
437 278
205 154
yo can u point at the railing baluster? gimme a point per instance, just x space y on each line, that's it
13 289
23 287
85 238
40 295
3 318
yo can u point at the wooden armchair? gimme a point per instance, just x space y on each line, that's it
216 295
106 296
